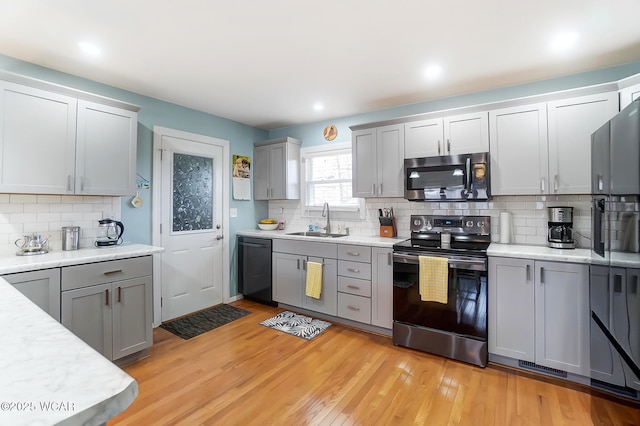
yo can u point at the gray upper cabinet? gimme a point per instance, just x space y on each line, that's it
458 134
378 161
37 140
518 139
276 169
105 150
570 125
628 95
53 142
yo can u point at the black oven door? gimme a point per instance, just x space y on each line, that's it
465 313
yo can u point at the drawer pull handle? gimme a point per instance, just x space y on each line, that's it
119 294
353 269
355 287
353 308
107 297
113 272
353 253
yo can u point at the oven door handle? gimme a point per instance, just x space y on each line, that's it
454 263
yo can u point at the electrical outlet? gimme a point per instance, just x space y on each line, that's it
233 212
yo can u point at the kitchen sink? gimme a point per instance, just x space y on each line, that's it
317 234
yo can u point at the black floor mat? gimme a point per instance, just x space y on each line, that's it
203 321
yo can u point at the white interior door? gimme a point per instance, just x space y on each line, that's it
191 223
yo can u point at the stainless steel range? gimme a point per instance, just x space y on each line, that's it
456 329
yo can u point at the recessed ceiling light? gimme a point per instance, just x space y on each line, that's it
89 48
433 71
564 41
318 106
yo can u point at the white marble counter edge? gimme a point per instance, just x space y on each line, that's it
10 264
360 240
47 363
584 256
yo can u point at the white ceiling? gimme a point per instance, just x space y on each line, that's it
266 63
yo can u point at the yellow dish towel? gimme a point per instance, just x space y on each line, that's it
314 279
434 279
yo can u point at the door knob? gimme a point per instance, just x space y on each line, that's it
219 237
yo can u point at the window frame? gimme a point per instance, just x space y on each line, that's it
337 212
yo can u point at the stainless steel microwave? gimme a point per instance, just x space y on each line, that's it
463 177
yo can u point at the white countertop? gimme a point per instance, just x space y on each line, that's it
10 263
562 255
48 375
495 249
362 240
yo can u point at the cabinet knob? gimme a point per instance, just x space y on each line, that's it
353 308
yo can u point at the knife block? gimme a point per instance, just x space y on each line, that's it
390 230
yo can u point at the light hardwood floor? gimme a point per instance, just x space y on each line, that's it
245 374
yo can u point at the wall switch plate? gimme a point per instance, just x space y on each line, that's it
233 212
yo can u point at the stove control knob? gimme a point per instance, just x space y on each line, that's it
417 222
480 224
428 225
469 224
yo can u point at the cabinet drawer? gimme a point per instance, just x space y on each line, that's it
356 308
355 253
104 272
354 286
358 270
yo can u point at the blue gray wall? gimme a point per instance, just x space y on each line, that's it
312 134
241 137
154 112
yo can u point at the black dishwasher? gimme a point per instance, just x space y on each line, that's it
254 269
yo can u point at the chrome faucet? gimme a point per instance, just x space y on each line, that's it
325 213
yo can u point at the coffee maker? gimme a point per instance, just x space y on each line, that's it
560 231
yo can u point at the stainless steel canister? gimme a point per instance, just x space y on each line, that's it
70 237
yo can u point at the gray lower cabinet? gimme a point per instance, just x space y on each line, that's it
109 305
41 287
382 287
289 260
539 312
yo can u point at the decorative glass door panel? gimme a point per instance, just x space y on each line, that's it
192 193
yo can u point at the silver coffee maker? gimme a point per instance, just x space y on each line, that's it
560 228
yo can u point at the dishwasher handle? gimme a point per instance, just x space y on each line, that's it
254 245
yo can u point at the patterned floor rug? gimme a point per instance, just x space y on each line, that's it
203 321
296 325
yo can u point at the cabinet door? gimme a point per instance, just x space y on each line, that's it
571 123
467 133
86 312
628 95
105 150
261 172
382 287
562 317
364 162
606 364
519 154
633 307
511 308
132 317
423 138
287 278
328 302
41 287
37 140
278 171
390 160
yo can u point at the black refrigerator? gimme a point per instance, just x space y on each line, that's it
615 270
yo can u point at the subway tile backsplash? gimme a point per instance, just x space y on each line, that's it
529 215
24 214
